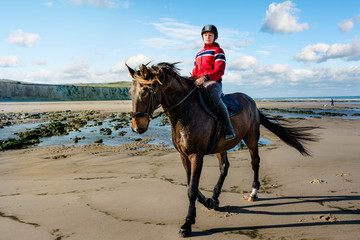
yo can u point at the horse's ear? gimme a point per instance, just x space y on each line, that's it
131 71
144 71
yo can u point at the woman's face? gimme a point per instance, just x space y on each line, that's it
208 37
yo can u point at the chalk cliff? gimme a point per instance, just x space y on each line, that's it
17 91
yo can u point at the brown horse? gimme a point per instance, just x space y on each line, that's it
192 128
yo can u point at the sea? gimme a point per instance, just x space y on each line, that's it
156 132
162 134
342 99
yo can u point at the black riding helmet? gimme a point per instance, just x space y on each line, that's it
210 28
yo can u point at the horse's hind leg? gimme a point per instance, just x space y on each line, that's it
255 163
252 144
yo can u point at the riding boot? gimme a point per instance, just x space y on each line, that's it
224 114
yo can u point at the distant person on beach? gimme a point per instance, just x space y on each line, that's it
209 67
332 102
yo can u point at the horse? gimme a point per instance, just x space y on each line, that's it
192 128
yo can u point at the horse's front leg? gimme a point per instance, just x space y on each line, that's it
213 203
195 163
223 166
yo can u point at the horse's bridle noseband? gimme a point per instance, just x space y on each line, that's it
150 109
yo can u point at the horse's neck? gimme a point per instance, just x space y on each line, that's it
178 108
174 93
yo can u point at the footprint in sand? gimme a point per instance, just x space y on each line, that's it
329 218
317 181
343 175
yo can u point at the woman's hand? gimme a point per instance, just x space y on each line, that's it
200 81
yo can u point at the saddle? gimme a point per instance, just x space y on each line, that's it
233 106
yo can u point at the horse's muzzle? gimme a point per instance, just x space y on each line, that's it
140 125
138 130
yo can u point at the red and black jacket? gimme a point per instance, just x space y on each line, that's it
210 61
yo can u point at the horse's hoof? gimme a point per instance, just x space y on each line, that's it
212 203
253 198
185 232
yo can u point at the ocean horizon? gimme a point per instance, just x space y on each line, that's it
315 99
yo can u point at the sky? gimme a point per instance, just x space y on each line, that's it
298 48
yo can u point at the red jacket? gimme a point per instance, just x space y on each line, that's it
211 61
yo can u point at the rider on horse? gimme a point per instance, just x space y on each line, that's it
209 67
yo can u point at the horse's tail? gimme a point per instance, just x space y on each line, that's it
292 136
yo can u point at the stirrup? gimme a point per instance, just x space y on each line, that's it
229 135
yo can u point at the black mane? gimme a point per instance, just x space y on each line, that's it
172 70
169 66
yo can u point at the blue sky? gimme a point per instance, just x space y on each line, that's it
273 48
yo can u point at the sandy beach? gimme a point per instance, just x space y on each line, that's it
123 192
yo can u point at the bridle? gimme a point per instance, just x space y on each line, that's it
150 110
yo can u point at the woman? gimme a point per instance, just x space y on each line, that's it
209 67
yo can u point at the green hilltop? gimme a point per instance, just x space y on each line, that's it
120 84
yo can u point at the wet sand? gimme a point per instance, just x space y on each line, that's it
139 192
125 106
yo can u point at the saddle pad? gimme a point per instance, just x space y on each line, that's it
233 106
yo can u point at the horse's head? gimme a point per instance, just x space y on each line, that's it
145 96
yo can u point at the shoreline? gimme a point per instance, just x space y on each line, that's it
125 105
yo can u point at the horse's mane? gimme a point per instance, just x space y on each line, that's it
159 73
171 70
168 66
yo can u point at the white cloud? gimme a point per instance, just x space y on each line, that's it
233 39
20 38
276 76
191 46
243 63
281 18
43 75
262 52
77 72
133 62
182 37
175 35
321 52
277 68
161 42
39 62
269 78
348 24
103 3
296 75
233 43
48 4
9 61
245 43
177 30
79 69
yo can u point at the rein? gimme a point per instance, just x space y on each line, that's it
144 75
182 100
150 110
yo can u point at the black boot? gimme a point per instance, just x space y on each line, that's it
224 114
